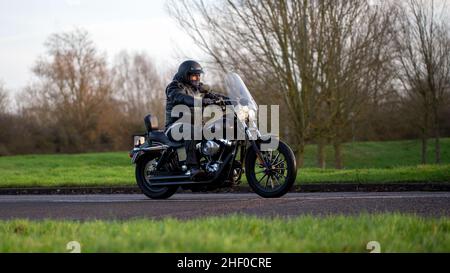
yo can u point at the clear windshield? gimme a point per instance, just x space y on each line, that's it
237 91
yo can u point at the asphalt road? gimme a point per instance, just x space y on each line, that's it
185 206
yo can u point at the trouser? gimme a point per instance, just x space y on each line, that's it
192 155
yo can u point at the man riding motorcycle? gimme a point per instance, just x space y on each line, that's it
268 163
185 86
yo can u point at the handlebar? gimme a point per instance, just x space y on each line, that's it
225 102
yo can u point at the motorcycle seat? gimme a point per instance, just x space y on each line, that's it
161 137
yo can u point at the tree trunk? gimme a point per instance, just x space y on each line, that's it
438 150
437 136
424 149
425 135
321 163
300 155
338 154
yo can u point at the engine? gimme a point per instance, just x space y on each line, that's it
212 150
209 148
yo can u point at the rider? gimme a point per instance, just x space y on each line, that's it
181 91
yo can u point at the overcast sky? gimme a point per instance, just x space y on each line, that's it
114 25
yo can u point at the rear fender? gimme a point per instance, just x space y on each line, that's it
139 152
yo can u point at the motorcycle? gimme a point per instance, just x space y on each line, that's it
160 171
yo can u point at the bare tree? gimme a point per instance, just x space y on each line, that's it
73 90
322 57
423 47
138 86
267 41
4 98
355 67
4 120
79 104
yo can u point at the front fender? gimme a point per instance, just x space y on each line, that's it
267 138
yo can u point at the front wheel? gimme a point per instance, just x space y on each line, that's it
274 174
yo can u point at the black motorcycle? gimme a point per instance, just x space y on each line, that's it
270 173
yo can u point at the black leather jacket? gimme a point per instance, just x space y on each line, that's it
180 93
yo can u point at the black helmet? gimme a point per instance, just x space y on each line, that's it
188 68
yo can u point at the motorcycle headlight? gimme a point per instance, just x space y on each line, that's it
252 114
242 113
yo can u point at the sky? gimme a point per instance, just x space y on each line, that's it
114 25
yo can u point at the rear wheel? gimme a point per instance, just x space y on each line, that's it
275 176
145 169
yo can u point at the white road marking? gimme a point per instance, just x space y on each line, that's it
217 197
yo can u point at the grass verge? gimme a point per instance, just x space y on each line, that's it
394 232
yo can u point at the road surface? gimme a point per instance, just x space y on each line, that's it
186 206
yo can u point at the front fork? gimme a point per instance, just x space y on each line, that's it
254 145
259 155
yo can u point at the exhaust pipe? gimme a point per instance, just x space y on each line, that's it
169 178
178 183
179 180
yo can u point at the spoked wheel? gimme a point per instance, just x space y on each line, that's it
274 176
145 169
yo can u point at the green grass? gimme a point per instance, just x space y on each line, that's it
385 154
93 169
395 233
378 162
420 173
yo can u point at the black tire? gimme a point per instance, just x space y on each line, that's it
290 169
147 189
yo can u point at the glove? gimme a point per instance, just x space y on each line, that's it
207 101
204 88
